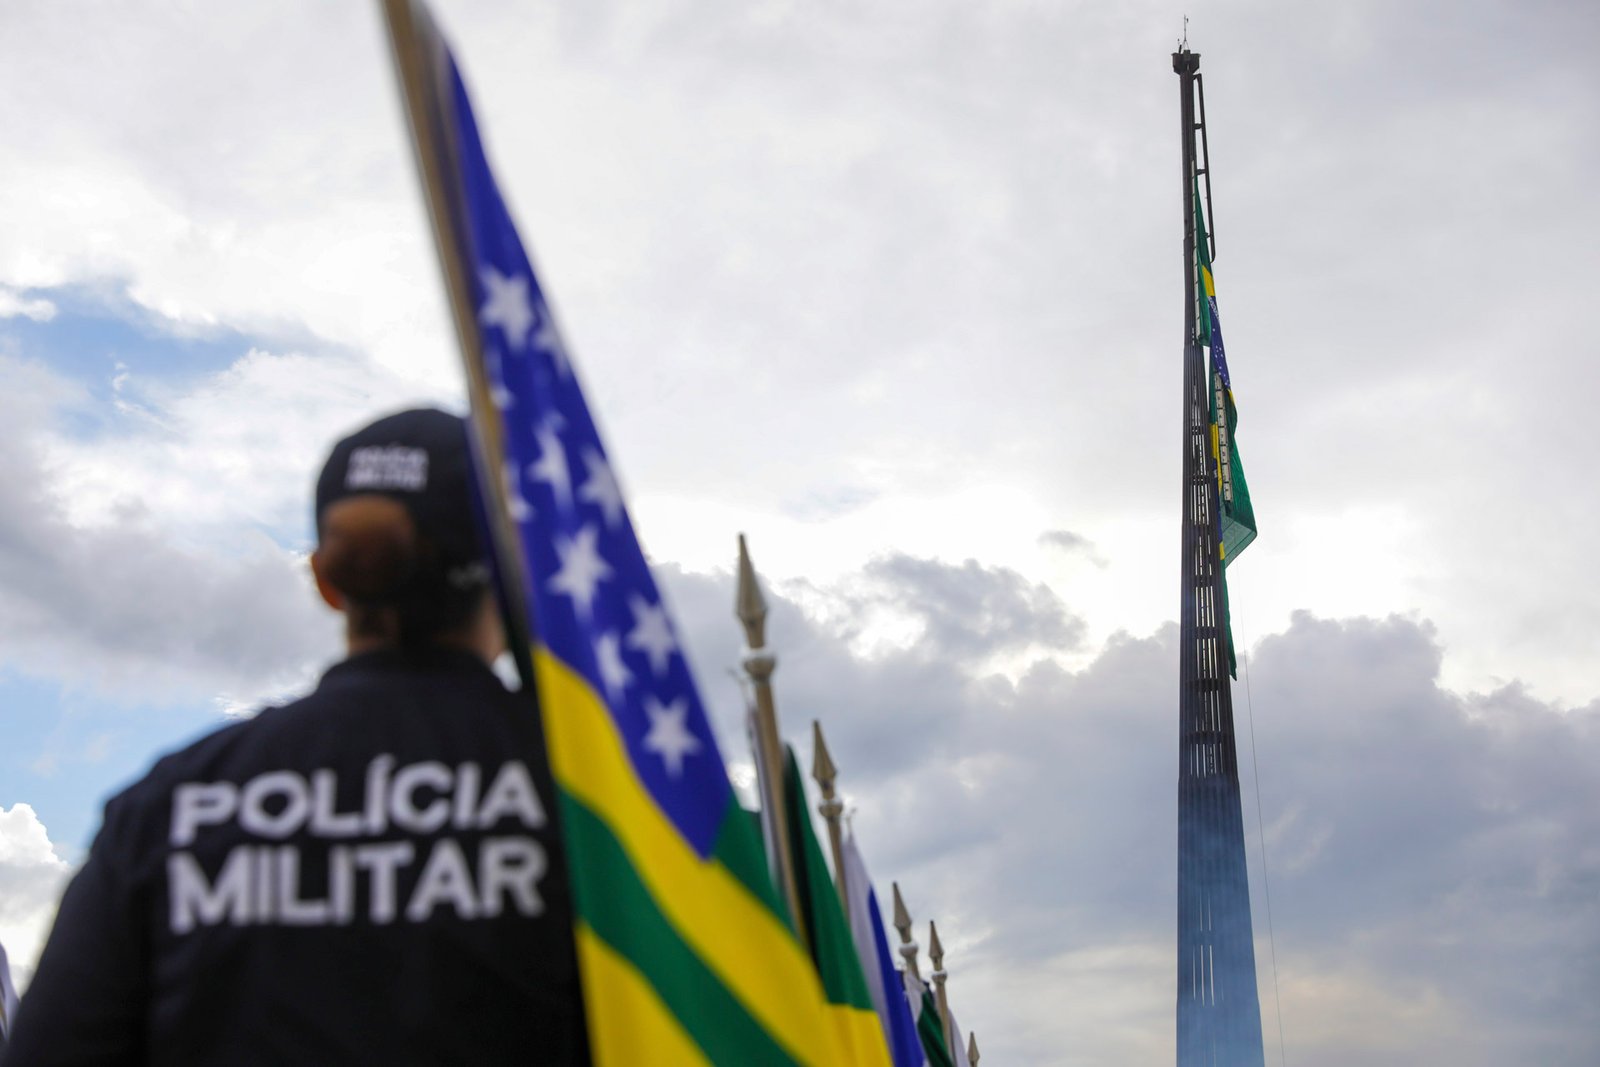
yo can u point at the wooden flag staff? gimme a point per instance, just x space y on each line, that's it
902 923
936 956
420 67
823 770
759 664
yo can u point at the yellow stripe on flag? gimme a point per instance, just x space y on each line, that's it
1216 454
732 932
858 1032
628 1024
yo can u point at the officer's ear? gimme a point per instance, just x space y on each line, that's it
330 595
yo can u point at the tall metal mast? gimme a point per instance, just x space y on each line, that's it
1219 1013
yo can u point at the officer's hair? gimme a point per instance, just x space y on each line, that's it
391 576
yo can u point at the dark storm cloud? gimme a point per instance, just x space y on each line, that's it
1429 852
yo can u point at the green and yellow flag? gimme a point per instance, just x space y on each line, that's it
1238 517
854 1020
1238 526
1237 522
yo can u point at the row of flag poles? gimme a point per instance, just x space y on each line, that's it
703 935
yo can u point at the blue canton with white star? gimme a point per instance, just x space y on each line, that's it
1219 356
594 601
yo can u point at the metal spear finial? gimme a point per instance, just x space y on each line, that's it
972 1049
902 923
750 605
936 954
823 770
759 664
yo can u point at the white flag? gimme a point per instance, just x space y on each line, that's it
858 887
959 1053
897 1017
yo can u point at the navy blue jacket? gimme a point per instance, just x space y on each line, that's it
371 874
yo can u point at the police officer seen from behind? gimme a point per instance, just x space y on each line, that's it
367 875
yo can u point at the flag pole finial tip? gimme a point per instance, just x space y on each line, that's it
822 767
749 604
902 917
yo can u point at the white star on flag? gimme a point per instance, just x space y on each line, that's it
499 395
516 503
506 305
548 339
601 487
669 736
552 465
651 633
582 570
614 673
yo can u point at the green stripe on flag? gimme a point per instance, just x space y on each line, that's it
619 908
931 1030
739 847
827 930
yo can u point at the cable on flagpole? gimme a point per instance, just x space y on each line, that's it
1266 886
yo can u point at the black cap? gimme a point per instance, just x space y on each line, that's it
421 459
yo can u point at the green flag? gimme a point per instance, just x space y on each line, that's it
844 985
929 1026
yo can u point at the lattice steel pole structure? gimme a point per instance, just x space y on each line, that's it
1219 1012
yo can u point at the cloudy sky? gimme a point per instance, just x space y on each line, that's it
896 290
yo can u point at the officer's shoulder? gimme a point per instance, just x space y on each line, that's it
343 702
205 756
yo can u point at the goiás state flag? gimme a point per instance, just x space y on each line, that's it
685 952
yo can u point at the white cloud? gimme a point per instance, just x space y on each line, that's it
32 877
239 448
285 200
13 303
1126 982
1429 849
904 280
159 602
922 270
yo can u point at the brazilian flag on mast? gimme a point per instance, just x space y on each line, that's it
1238 526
